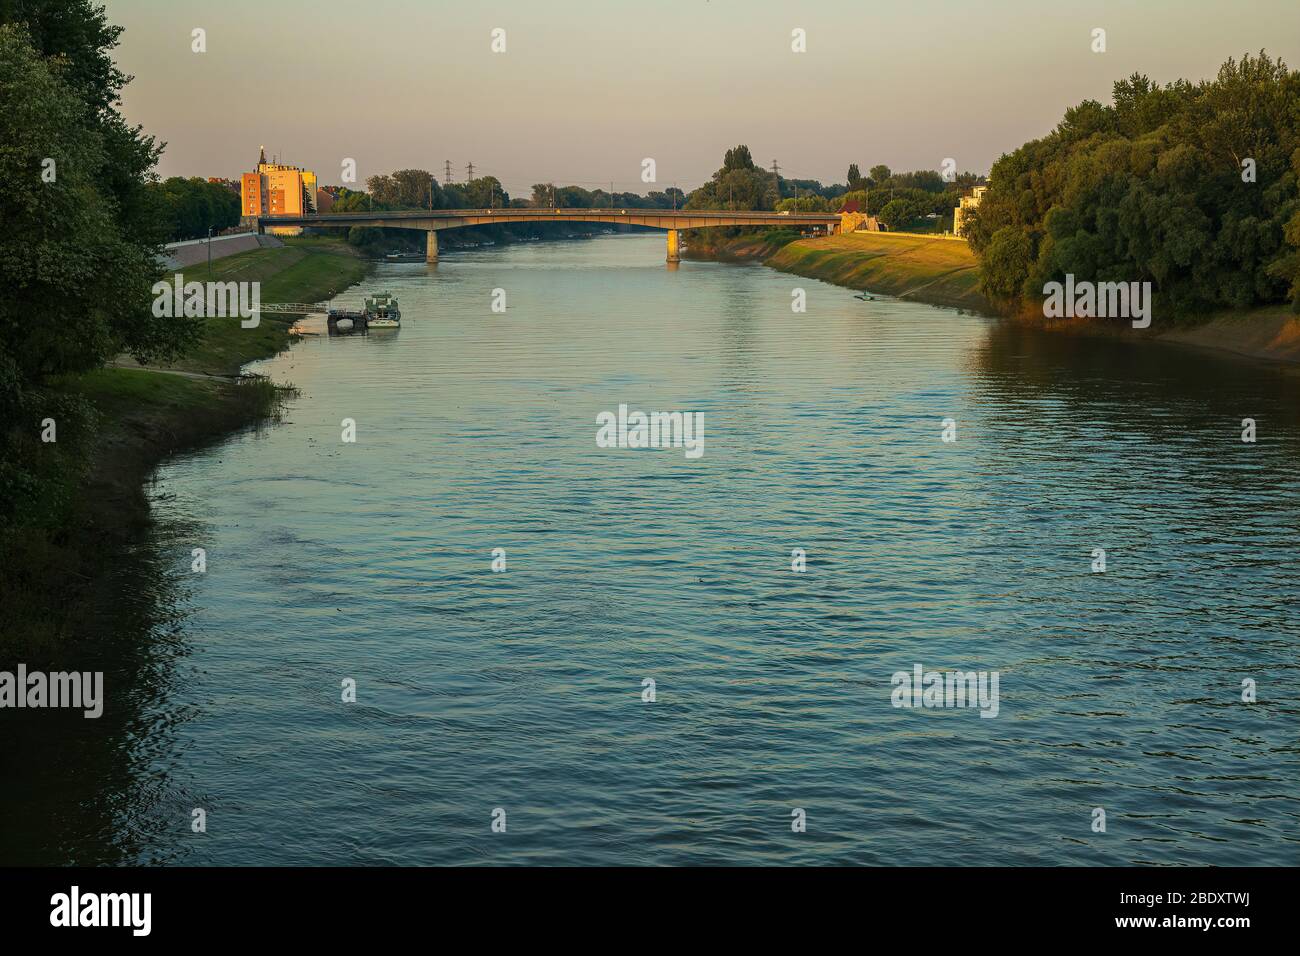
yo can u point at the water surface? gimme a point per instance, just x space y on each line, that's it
522 690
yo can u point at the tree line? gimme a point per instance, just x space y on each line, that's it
190 207
899 199
79 250
1192 187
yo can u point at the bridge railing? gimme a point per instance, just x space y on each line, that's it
758 215
294 308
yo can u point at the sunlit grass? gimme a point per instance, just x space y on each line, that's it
945 271
309 269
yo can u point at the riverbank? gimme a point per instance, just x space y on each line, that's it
1268 333
946 273
93 502
935 271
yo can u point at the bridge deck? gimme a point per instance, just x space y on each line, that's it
659 218
672 221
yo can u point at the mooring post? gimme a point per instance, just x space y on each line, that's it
431 247
673 254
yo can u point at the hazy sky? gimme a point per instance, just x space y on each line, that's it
587 88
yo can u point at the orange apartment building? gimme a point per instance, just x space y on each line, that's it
275 189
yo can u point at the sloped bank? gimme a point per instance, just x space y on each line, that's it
935 271
945 272
93 503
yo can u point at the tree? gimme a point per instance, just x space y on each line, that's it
670 198
543 194
79 246
878 174
352 200
574 197
739 184
1189 187
484 193
80 243
854 177
406 189
737 158
804 204
897 214
193 206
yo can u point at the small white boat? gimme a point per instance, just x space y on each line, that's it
382 312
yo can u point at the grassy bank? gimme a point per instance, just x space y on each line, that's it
304 270
92 501
946 273
936 271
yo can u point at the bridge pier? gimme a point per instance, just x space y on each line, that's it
673 254
431 246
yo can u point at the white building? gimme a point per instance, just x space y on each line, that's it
966 202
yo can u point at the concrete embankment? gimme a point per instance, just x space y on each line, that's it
194 251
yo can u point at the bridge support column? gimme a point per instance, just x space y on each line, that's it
673 254
431 246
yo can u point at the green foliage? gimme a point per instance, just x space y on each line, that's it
484 192
739 184
804 204
418 189
737 158
193 206
896 214
575 197
352 200
809 187
1006 262
80 240
302 270
924 180
366 237
41 478
406 189
929 270
1151 188
860 196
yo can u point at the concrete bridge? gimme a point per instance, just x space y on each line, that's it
434 221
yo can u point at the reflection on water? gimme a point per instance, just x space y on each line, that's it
521 690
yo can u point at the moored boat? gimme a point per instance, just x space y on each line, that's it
382 312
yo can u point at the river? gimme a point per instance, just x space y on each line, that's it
522 690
